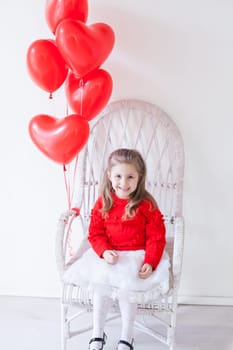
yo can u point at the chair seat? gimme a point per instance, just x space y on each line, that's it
81 297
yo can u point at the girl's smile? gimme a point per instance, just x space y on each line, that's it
124 178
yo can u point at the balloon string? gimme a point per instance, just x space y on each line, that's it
70 199
81 89
74 178
69 231
70 191
67 185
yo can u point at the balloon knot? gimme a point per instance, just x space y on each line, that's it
77 211
50 95
81 83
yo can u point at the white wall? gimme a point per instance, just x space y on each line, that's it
177 54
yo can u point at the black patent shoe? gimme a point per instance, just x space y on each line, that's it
102 340
126 343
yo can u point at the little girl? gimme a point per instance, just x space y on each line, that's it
126 260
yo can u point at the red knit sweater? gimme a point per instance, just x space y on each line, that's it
146 230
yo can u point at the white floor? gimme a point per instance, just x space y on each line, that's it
34 324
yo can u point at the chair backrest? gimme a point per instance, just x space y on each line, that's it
143 126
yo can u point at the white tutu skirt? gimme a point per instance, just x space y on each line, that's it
120 280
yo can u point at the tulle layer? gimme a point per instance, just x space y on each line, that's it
120 280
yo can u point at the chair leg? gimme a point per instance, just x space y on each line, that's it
171 338
64 327
171 331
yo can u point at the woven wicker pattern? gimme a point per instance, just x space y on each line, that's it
145 127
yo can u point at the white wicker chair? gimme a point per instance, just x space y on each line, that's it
143 126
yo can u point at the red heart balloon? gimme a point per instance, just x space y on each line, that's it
87 96
57 10
46 66
83 47
59 139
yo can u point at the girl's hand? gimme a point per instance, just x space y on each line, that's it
110 256
145 271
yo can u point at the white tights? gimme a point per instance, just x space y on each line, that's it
101 306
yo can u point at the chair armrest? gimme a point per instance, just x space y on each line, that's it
83 246
64 222
63 260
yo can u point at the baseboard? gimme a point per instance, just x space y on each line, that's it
205 300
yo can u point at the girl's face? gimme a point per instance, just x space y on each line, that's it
124 178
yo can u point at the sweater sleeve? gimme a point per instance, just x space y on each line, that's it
155 237
97 233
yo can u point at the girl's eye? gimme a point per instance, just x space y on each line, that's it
118 176
130 177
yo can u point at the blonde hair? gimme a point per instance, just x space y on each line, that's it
126 156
